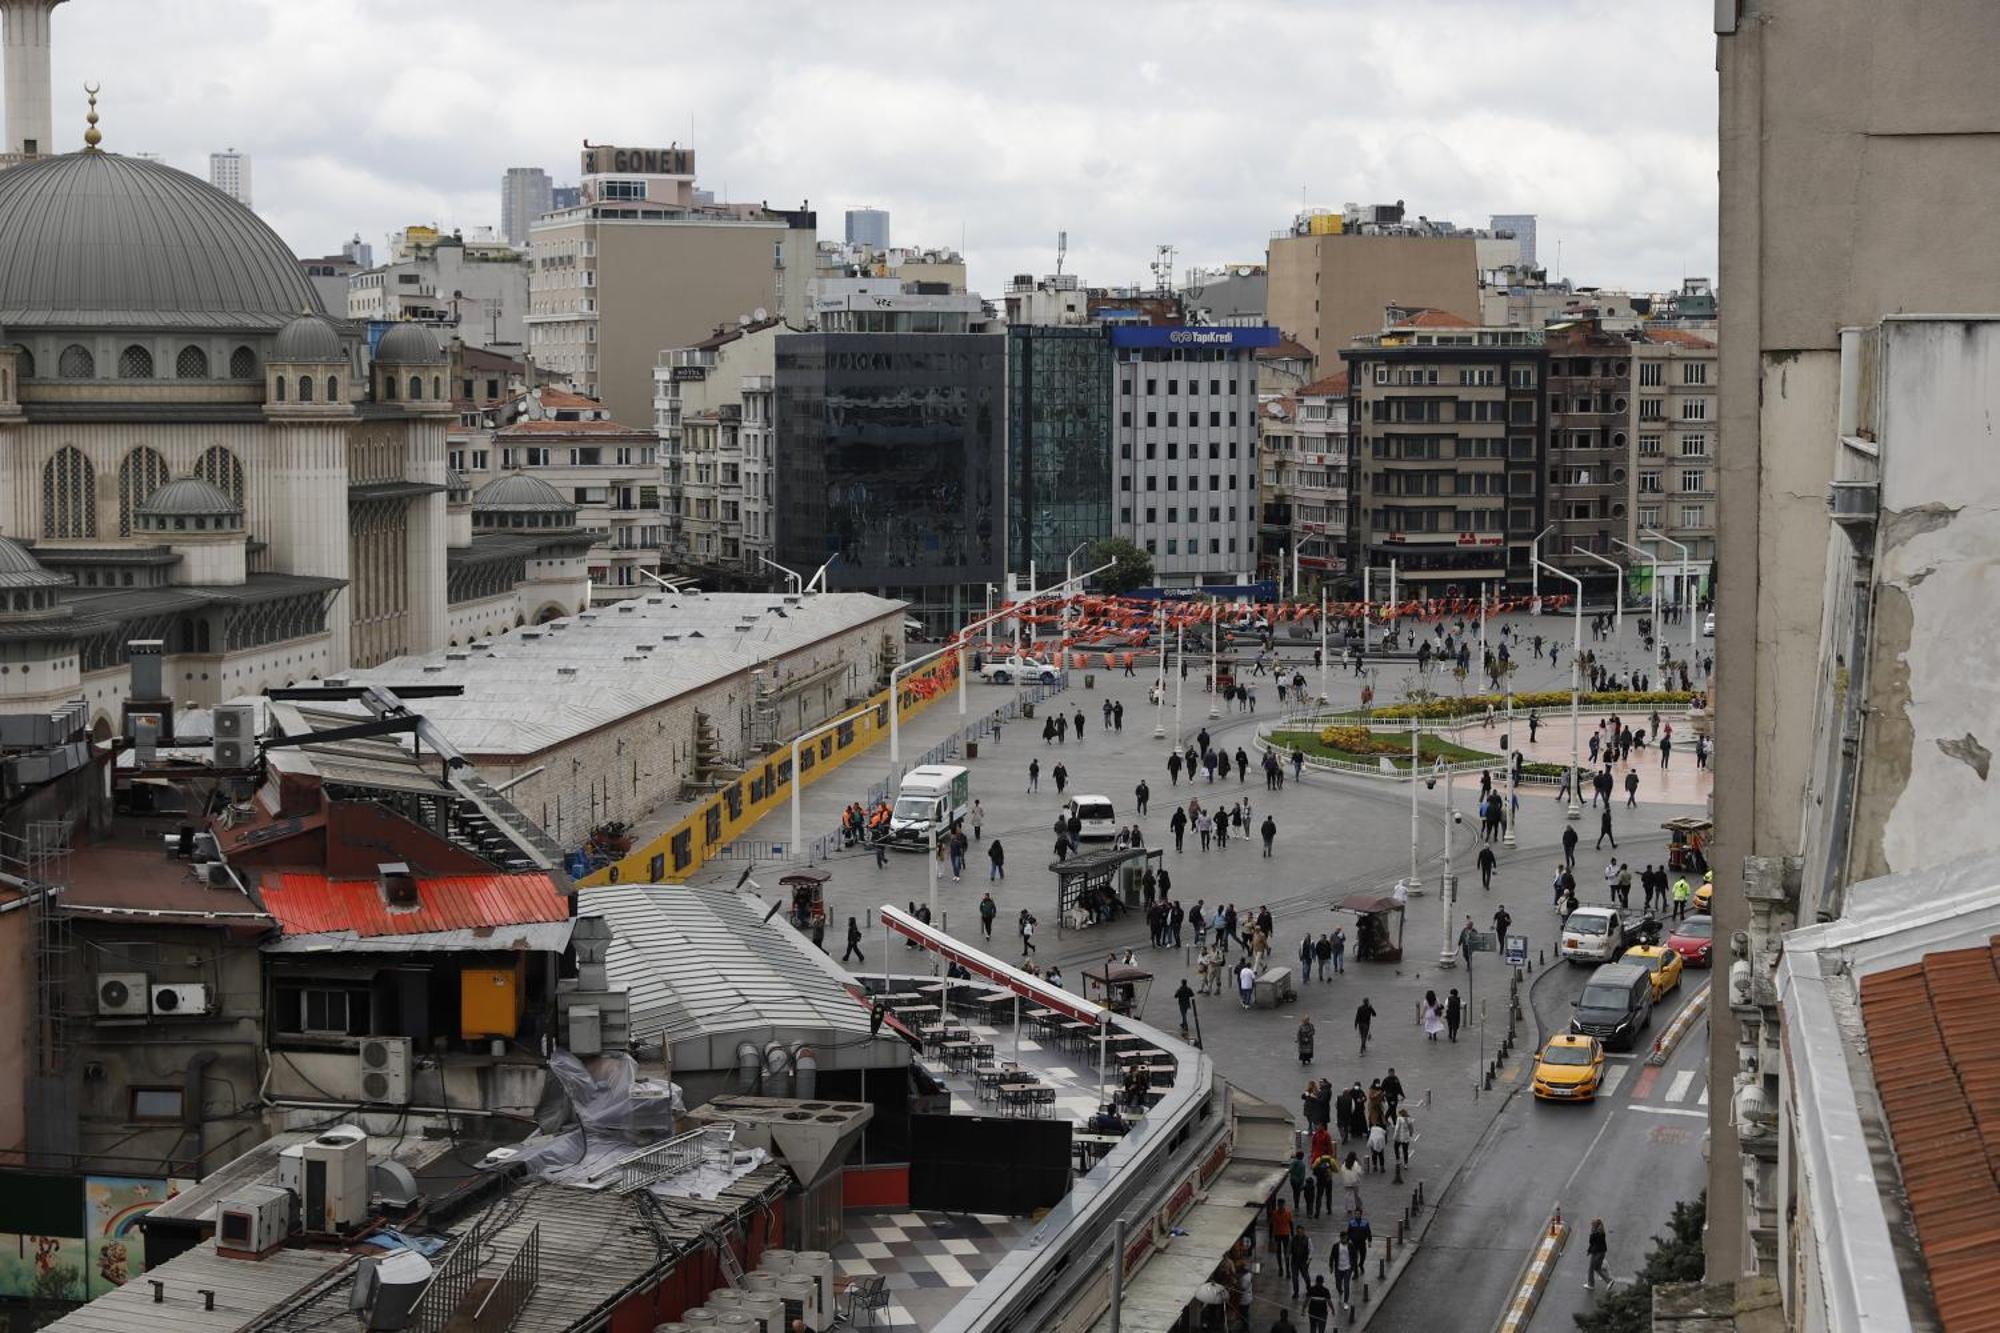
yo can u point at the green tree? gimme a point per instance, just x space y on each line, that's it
1676 1257
1133 567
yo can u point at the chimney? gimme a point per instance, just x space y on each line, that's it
398 885
147 708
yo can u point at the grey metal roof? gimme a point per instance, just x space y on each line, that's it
704 968
532 936
189 497
409 345
96 240
18 569
245 1292
518 490
308 338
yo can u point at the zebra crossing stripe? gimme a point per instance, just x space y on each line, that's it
1612 1078
1678 1089
1703 1099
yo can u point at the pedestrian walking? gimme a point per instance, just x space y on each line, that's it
1569 846
1350 1184
988 909
1323 954
1141 794
1378 1148
1319 1304
1468 940
1454 1013
1061 775
1599 1249
1631 789
1340 949
1174 768
1681 895
978 820
1304 1040
1269 829
1432 1016
996 857
1034 776
1246 983
1179 824
1296 1174
1364 1015
1405 1132
1027 929
1079 726
1604 828
853 949
1486 863
1184 997
1306 959
1301 1263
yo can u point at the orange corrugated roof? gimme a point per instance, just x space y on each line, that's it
1934 1041
1333 386
1431 318
309 904
554 397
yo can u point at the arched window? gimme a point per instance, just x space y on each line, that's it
25 359
76 363
140 473
332 389
305 388
389 386
69 495
135 363
416 387
279 385
219 468
192 364
243 364
437 386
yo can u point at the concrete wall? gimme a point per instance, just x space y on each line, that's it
1326 291
1860 173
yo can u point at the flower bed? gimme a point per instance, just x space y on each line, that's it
1474 705
1358 745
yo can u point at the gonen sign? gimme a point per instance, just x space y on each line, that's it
603 159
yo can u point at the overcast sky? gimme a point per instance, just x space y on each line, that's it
1130 125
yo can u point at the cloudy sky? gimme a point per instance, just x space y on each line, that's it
1127 124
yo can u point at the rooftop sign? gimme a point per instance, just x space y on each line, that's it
603 159
1149 335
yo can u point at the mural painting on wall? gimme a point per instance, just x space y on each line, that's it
89 1240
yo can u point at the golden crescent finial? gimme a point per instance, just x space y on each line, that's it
91 136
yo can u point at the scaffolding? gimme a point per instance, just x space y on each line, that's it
40 859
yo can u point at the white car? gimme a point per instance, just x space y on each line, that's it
1592 935
1095 814
1708 626
1007 670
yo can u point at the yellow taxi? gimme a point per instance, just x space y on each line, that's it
1704 892
1569 1069
1662 962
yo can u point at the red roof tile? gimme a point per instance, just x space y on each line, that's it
1934 1041
310 904
570 428
1429 318
1333 386
554 397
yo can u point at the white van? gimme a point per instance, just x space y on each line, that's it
1095 814
932 796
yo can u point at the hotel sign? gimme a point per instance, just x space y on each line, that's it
603 159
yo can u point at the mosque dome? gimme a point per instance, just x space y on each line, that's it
96 240
517 490
307 338
19 569
409 345
190 497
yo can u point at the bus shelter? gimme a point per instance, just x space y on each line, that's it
1097 886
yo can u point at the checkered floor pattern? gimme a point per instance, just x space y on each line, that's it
928 1260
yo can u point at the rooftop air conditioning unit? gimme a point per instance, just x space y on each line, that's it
385 1070
180 1000
1853 502
254 1220
122 995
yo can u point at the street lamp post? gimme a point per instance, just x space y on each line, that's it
1322 643
1687 590
1618 615
1180 674
1535 560
1214 658
1160 690
798 579
1575 688
1448 889
1414 883
1653 563
1507 838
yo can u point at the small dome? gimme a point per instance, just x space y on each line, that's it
517 491
409 345
19 569
457 489
188 497
308 338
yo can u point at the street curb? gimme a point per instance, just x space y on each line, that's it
1417 1233
1534 1275
1663 1046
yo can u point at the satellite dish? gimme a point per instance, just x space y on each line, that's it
761 315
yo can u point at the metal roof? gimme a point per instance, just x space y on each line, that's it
245 1292
311 338
538 687
706 969
528 937
96 240
308 903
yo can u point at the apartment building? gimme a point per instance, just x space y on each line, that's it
641 263
608 471
1446 457
471 288
713 417
1589 454
1675 424
1059 442
1187 448
1330 275
1303 457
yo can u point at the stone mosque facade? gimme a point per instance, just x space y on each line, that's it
192 451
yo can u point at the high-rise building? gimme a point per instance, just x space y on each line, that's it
1328 281
869 227
892 452
26 33
712 406
1303 456
1059 442
1676 432
1589 455
1186 400
525 194
230 173
1446 446
639 266
1853 712
1522 225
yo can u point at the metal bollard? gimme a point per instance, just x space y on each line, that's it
1382 1269
1364 1293
1542 956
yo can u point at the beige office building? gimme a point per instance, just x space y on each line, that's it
1860 176
641 264
1329 278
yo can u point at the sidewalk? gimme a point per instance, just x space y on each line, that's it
1680 783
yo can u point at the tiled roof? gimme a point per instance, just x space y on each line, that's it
1333 386
307 903
1678 337
1429 318
554 397
570 428
1285 349
1934 1041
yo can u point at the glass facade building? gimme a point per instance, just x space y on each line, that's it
1058 444
890 455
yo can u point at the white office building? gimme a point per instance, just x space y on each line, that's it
230 173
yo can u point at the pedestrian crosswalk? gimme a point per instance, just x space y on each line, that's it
1679 1089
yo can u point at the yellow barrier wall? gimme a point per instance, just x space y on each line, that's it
674 856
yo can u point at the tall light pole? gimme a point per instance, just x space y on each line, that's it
1214 657
1535 561
1653 562
1448 890
1180 674
1575 688
1507 838
1414 883
1160 692
1322 642
1687 590
798 579
1618 615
